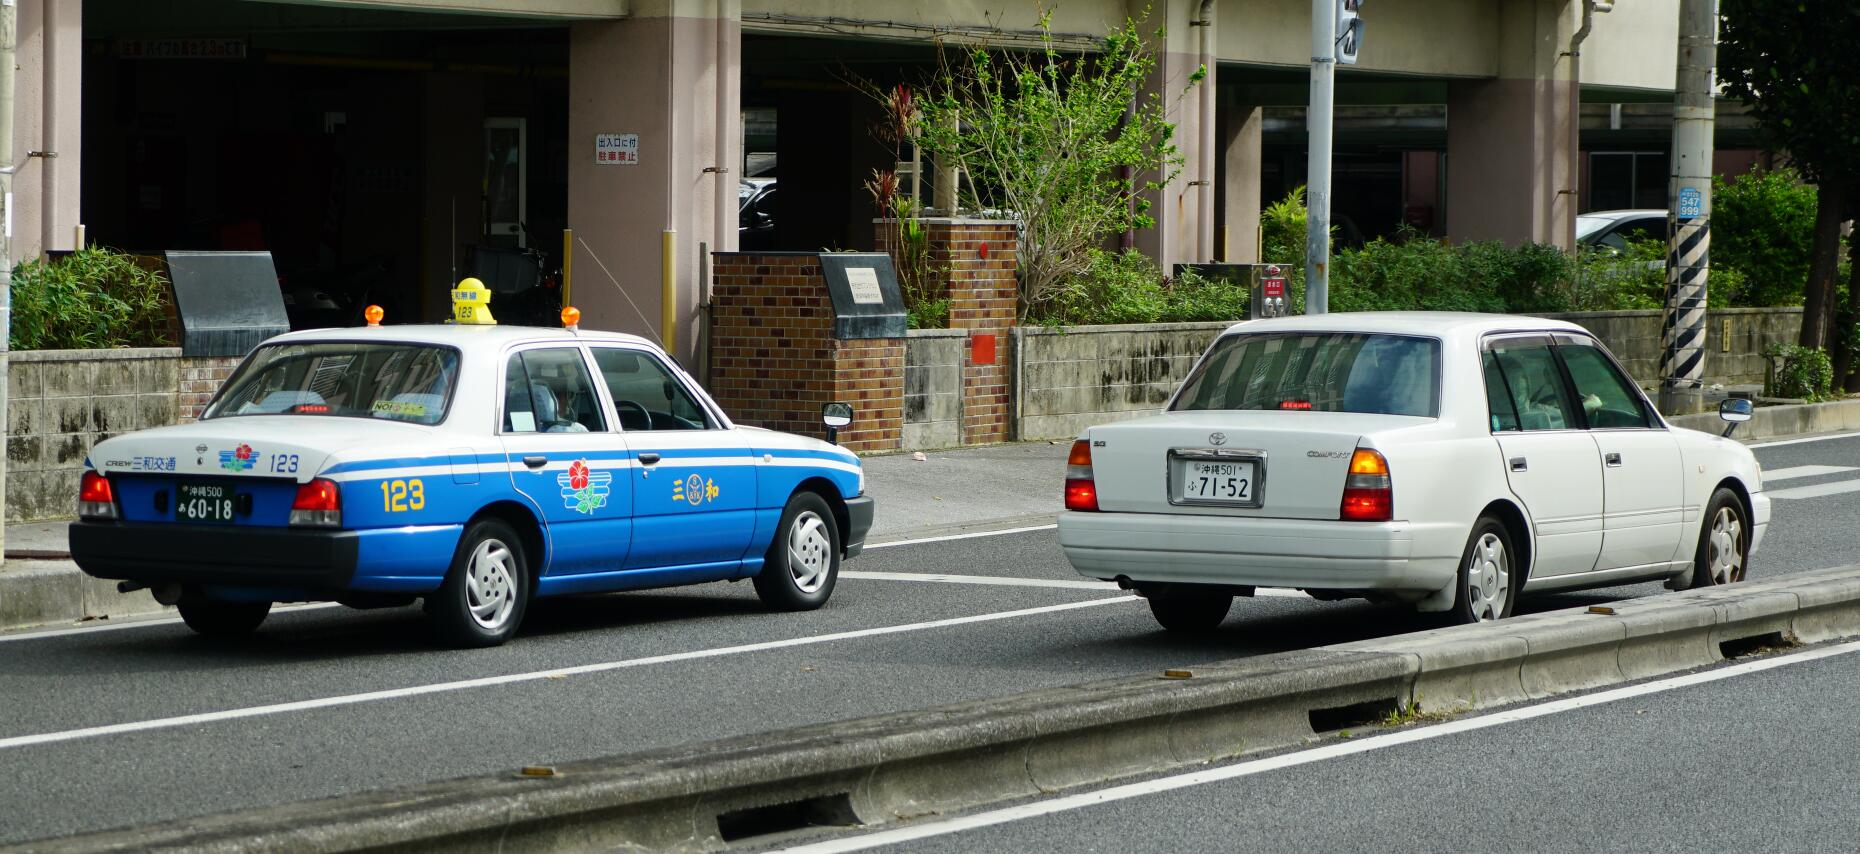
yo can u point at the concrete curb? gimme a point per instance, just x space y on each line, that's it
1782 422
898 766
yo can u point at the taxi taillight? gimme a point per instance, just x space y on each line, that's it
318 504
1081 489
1368 494
96 500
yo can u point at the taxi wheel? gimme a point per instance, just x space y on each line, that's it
219 618
487 590
1187 609
804 560
1489 574
1724 546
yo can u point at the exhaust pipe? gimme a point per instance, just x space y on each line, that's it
130 586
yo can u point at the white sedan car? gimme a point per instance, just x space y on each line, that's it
1450 461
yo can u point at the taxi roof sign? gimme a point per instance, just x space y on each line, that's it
471 303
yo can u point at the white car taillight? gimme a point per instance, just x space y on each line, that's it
96 500
1081 490
318 504
1368 494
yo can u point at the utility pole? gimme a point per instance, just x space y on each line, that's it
1317 170
1682 339
9 41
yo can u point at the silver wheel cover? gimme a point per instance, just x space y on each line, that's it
491 584
810 551
1725 554
1488 578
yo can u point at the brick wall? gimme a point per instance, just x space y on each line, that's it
201 377
774 361
983 299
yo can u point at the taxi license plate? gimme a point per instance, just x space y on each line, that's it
1232 482
203 502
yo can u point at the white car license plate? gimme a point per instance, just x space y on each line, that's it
211 502
1222 481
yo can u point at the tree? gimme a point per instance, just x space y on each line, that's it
1051 139
1795 63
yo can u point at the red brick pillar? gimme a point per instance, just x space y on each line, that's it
774 360
984 299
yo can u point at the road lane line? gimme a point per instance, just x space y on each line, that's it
1304 757
1782 442
137 622
968 536
1804 471
531 676
1010 581
1819 490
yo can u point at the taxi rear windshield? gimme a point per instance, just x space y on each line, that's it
1318 372
394 382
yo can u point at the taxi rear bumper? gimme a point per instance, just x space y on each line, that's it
154 553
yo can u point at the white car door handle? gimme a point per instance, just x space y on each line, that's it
1519 464
1613 460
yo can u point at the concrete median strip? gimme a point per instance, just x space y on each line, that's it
894 767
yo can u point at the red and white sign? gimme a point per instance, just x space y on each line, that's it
616 149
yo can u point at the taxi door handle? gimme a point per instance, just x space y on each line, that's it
1613 460
536 461
648 458
1519 464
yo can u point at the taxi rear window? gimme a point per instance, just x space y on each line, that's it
1318 372
393 382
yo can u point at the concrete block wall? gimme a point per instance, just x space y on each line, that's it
933 365
1071 378
774 361
1634 338
60 403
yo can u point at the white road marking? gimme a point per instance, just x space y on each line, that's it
1818 490
531 676
1010 581
1780 443
971 536
1330 750
135 622
1804 471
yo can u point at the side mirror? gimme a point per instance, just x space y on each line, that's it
835 416
1735 411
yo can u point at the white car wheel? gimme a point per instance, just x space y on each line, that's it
1487 579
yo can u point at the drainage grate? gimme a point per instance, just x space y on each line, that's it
824 811
1353 715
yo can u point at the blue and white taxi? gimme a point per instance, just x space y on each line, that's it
475 467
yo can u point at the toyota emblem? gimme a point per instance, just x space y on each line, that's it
1217 438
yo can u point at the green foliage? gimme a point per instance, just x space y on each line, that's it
1052 139
1801 372
1130 288
90 299
1793 63
1763 227
1623 281
1423 273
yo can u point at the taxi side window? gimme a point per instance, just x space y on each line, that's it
548 391
1608 399
1498 397
1535 386
646 396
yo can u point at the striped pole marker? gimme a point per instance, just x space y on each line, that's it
1682 338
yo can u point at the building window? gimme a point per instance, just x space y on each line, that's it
1622 180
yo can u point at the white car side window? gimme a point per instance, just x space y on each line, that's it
1535 386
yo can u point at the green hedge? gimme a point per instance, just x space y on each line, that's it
90 299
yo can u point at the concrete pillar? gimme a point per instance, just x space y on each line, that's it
47 117
1179 207
1240 160
1509 174
657 75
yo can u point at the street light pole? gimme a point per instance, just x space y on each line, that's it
9 40
1688 260
1317 172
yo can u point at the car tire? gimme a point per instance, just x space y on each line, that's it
219 618
1187 610
1489 574
803 561
1723 554
487 590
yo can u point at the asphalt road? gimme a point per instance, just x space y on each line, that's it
142 722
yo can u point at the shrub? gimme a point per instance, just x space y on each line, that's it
1763 226
1801 372
90 299
1129 288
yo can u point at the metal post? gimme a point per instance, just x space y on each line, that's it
1682 340
1317 173
9 40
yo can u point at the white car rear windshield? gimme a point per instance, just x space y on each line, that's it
1318 372
397 382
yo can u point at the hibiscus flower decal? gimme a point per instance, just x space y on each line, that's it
578 475
243 452
584 490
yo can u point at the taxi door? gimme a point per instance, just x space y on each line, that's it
566 459
694 481
1550 461
1642 474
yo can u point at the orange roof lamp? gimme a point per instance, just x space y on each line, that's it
471 303
373 315
571 318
